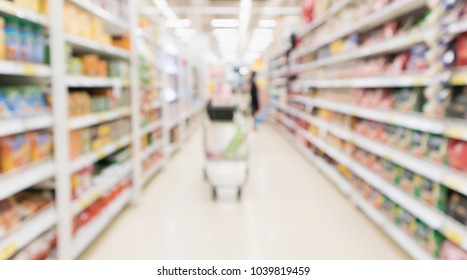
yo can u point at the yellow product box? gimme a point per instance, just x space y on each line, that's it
31 5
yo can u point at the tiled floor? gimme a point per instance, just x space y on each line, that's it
289 211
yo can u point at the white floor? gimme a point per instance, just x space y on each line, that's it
289 211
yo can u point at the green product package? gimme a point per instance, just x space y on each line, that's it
235 143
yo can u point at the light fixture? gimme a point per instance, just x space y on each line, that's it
178 23
225 31
224 23
165 9
267 23
185 32
263 31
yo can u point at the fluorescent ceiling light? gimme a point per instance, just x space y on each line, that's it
185 32
178 23
223 23
267 23
225 31
165 9
267 31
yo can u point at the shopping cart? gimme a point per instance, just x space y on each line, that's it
226 136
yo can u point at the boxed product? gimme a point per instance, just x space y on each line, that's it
430 192
14 152
389 171
429 239
418 143
461 50
41 144
31 202
457 108
9 216
436 148
408 100
405 136
450 251
457 207
457 154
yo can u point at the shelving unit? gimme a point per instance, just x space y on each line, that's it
333 146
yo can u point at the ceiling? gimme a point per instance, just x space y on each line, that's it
247 13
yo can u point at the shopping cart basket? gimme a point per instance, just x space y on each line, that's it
225 135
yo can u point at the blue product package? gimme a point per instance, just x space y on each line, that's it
5 110
12 39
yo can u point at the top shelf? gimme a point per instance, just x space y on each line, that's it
13 9
394 10
113 24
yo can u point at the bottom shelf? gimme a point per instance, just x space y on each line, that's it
27 232
403 240
89 233
148 174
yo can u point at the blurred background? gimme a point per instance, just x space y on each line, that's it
233 129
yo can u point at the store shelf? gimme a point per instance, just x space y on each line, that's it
148 174
393 45
14 10
27 232
93 82
97 118
407 80
432 217
25 177
436 172
91 231
152 149
458 27
87 45
10 126
392 11
151 127
96 192
408 244
92 157
112 23
335 8
16 68
449 127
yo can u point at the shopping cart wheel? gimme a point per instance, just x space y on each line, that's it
214 194
239 193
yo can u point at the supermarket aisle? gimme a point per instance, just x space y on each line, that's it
289 211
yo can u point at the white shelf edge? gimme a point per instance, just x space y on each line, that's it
27 232
148 174
96 192
25 177
90 45
97 118
458 27
90 232
405 80
107 17
151 149
19 68
151 127
91 157
93 82
31 16
16 125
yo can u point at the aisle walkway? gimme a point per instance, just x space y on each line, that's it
289 211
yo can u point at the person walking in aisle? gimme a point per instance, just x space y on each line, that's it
254 97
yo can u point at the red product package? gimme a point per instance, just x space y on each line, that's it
457 154
449 251
308 11
461 50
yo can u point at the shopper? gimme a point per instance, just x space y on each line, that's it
254 95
